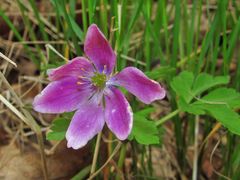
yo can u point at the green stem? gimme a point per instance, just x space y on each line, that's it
167 117
94 162
108 160
121 159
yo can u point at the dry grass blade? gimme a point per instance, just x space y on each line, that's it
29 120
211 161
13 109
7 59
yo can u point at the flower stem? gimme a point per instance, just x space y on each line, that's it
96 150
121 159
108 160
167 117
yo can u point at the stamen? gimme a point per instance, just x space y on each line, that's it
105 68
83 69
79 83
83 77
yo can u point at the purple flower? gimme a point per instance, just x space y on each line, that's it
89 87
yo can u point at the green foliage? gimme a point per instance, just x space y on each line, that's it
220 103
188 87
58 129
144 131
162 72
151 33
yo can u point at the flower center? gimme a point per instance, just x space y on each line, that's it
99 80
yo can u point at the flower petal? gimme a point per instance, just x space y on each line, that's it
61 96
118 113
136 82
98 49
86 123
78 66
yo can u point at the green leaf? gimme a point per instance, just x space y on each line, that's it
219 103
56 136
188 87
225 115
58 129
190 108
205 81
144 131
182 85
229 97
145 112
60 124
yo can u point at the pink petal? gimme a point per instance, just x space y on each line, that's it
136 82
118 113
86 123
78 66
61 96
98 49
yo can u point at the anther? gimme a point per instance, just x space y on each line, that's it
82 77
104 68
83 69
79 83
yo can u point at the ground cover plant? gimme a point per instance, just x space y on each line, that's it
163 75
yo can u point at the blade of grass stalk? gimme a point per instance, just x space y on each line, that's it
75 31
237 77
91 10
147 50
30 29
123 41
18 35
162 22
176 30
103 17
155 38
82 174
196 150
40 23
118 14
50 47
133 19
206 43
232 42
29 120
191 27
84 16
216 50
183 29
223 18
10 24
14 110
7 59
72 8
